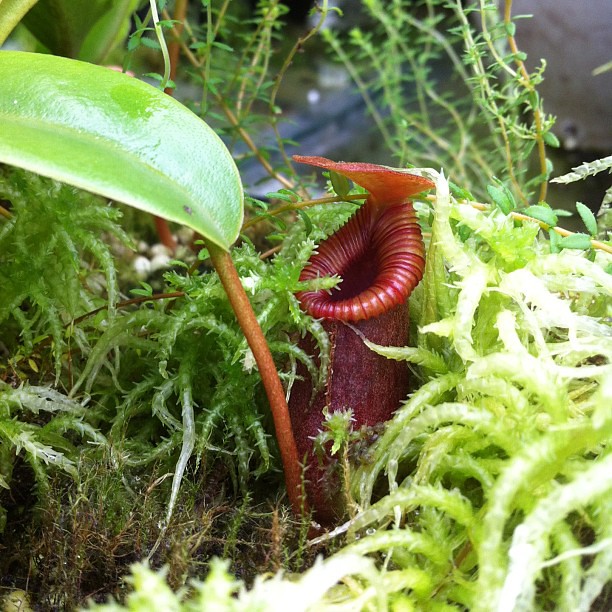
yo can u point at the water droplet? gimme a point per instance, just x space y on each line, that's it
370 531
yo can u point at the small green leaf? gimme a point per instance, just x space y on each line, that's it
146 291
133 43
255 203
340 184
178 263
277 222
151 43
169 84
118 137
554 242
282 194
222 46
419 356
502 197
306 220
551 140
542 213
549 167
588 218
168 23
275 237
576 241
459 192
337 428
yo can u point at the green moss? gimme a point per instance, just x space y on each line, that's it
141 430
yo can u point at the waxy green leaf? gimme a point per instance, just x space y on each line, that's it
116 136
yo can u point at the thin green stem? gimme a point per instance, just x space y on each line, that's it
488 96
234 120
278 80
595 244
247 320
364 89
210 36
162 44
304 204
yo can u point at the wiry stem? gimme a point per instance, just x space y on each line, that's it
231 116
527 84
174 48
297 47
304 204
233 120
481 75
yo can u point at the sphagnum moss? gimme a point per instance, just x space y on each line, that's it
511 347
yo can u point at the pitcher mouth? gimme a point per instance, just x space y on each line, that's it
379 253
380 257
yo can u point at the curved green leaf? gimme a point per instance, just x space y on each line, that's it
81 29
502 197
588 218
116 136
11 13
